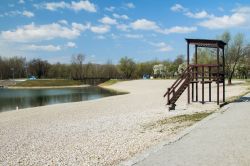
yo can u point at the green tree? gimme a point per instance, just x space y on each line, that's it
145 68
173 68
39 67
127 66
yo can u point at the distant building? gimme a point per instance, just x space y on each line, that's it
159 70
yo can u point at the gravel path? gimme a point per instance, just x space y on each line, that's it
99 132
223 140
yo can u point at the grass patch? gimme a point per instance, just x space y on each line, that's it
47 83
184 118
177 122
110 82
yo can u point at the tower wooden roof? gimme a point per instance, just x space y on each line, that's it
207 43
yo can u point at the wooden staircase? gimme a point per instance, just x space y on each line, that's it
175 91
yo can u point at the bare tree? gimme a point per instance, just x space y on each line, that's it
2 64
234 52
110 70
77 66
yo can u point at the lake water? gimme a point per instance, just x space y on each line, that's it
24 98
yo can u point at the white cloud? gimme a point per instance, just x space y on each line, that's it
101 37
110 9
177 8
61 29
18 13
224 22
71 45
83 5
124 17
187 12
28 13
130 5
245 10
76 6
144 24
21 1
239 17
49 48
165 49
108 20
198 15
12 13
133 36
123 27
100 29
161 46
55 5
32 32
80 27
179 29
64 22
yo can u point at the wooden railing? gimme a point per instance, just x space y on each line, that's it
214 75
171 91
193 74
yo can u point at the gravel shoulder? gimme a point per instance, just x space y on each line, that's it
98 132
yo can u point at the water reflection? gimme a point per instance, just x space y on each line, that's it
24 98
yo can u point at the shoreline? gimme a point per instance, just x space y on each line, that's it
121 92
47 87
109 87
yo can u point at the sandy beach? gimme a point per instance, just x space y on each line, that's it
105 131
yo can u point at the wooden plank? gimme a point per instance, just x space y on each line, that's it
223 58
218 71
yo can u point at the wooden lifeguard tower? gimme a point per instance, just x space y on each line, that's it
199 73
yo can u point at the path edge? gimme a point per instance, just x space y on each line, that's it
143 155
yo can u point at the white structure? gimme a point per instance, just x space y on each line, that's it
159 70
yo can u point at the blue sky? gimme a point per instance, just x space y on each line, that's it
110 29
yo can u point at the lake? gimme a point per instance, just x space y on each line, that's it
24 98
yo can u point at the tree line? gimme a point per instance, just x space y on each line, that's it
78 69
237 57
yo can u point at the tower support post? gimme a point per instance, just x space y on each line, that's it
188 88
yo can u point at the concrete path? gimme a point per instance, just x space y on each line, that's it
223 141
